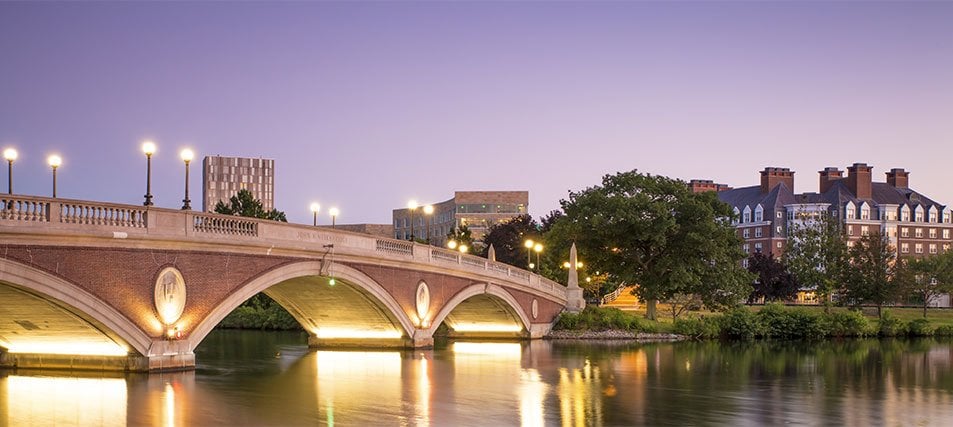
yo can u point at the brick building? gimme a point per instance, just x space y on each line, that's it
222 177
915 224
478 210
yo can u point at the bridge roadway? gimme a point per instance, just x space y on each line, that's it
91 285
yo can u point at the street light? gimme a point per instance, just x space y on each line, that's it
54 162
529 243
10 154
334 214
149 148
187 156
537 248
412 206
315 208
452 244
428 210
463 249
566 264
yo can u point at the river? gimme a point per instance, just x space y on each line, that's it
270 378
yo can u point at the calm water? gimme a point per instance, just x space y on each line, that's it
261 378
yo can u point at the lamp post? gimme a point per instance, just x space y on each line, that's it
537 248
453 245
149 148
10 154
412 206
315 208
529 243
428 210
334 214
187 156
54 162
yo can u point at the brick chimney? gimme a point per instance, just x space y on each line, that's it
859 180
771 177
702 185
898 178
827 178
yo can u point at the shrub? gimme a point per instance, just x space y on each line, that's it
741 323
600 319
919 328
566 321
807 325
944 331
698 327
891 326
847 324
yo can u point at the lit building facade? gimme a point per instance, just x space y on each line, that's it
478 210
222 177
915 224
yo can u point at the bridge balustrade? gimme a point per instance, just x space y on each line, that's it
120 216
395 247
219 224
23 209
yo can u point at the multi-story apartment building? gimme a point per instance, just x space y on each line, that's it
222 177
478 210
915 224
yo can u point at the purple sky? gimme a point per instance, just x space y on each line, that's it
366 105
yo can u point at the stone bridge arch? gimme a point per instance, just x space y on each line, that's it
496 294
61 305
270 282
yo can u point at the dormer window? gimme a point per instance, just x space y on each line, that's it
864 211
746 215
917 214
931 215
905 213
759 214
737 216
849 211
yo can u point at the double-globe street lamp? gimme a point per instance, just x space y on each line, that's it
54 161
453 245
531 247
10 154
412 206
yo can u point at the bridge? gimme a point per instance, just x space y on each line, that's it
91 285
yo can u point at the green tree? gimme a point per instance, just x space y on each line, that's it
653 231
245 204
817 254
507 239
461 235
931 277
773 282
873 275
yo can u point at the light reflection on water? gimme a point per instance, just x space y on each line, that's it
260 378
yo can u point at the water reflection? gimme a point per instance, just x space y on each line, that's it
253 378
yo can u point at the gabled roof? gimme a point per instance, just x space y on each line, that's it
775 199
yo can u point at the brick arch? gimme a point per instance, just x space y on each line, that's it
290 271
483 289
77 301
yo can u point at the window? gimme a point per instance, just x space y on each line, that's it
779 215
905 214
757 232
864 211
905 248
746 247
850 230
864 230
744 263
779 245
850 212
931 215
917 214
746 216
932 248
918 248
778 230
746 233
946 218
933 233
919 233
904 232
759 214
946 233
757 247
737 216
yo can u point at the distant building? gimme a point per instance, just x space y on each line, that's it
478 210
222 177
915 224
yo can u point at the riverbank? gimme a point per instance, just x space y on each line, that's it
614 334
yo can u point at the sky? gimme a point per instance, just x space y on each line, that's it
366 105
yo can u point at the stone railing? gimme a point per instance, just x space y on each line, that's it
23 209
119 216
44 215
394 247
224 224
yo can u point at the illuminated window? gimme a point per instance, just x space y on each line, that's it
946 234
905 248
933 233
919 232
864 230
904 232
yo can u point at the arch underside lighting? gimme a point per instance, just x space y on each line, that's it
484 315
34 324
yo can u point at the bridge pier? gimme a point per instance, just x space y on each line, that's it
164 356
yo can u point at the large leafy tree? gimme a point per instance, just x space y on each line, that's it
873 275
461 235
507 239
931 277
245 204
773 282
655 232
817 254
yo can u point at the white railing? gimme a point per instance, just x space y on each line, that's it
222 224
19 209
50 215
612 296
119 216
